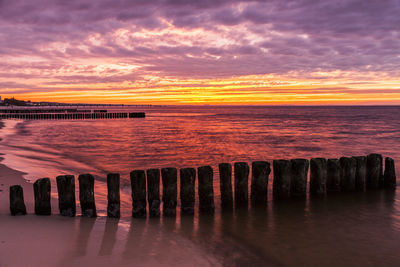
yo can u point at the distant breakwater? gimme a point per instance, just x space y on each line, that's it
290 178
65 114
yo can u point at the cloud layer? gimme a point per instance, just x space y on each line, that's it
156 47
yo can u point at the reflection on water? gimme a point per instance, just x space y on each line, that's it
351 229
109 237
194 136
85 229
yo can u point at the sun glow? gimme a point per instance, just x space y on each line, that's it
251 89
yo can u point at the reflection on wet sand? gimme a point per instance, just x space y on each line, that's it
109 237
82 238
354 229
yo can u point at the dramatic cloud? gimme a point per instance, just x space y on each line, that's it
148 51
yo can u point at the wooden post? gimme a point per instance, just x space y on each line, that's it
225 181
299 173
153 192
333 176
348 174
374 171
361 172
282 177
241 184
17 204
86 195
205 189
318 176
113 196
170 191
41 189
389 179
259 182
66 195
187 192
138 183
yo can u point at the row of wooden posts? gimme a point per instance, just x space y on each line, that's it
72 116
289 181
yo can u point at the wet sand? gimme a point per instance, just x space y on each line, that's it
57 241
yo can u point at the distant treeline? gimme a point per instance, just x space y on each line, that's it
14 102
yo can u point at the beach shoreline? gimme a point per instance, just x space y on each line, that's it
9 177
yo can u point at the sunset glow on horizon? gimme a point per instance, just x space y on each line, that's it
208 52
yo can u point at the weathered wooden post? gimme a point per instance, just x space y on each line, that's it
113 196
66 195
299 173
282 177
225 180
241 184
187 192
170 191
374 171
138 183
153 192
86 195
347 174
41 190
318 176
17 204
259 182
361 172
205 189
333 176
389 179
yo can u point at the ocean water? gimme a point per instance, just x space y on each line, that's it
356 229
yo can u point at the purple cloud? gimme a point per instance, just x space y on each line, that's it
47 39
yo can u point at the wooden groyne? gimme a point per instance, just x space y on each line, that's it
327 176
66 114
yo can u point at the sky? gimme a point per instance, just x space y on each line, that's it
296 52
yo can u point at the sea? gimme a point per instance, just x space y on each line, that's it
360 229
